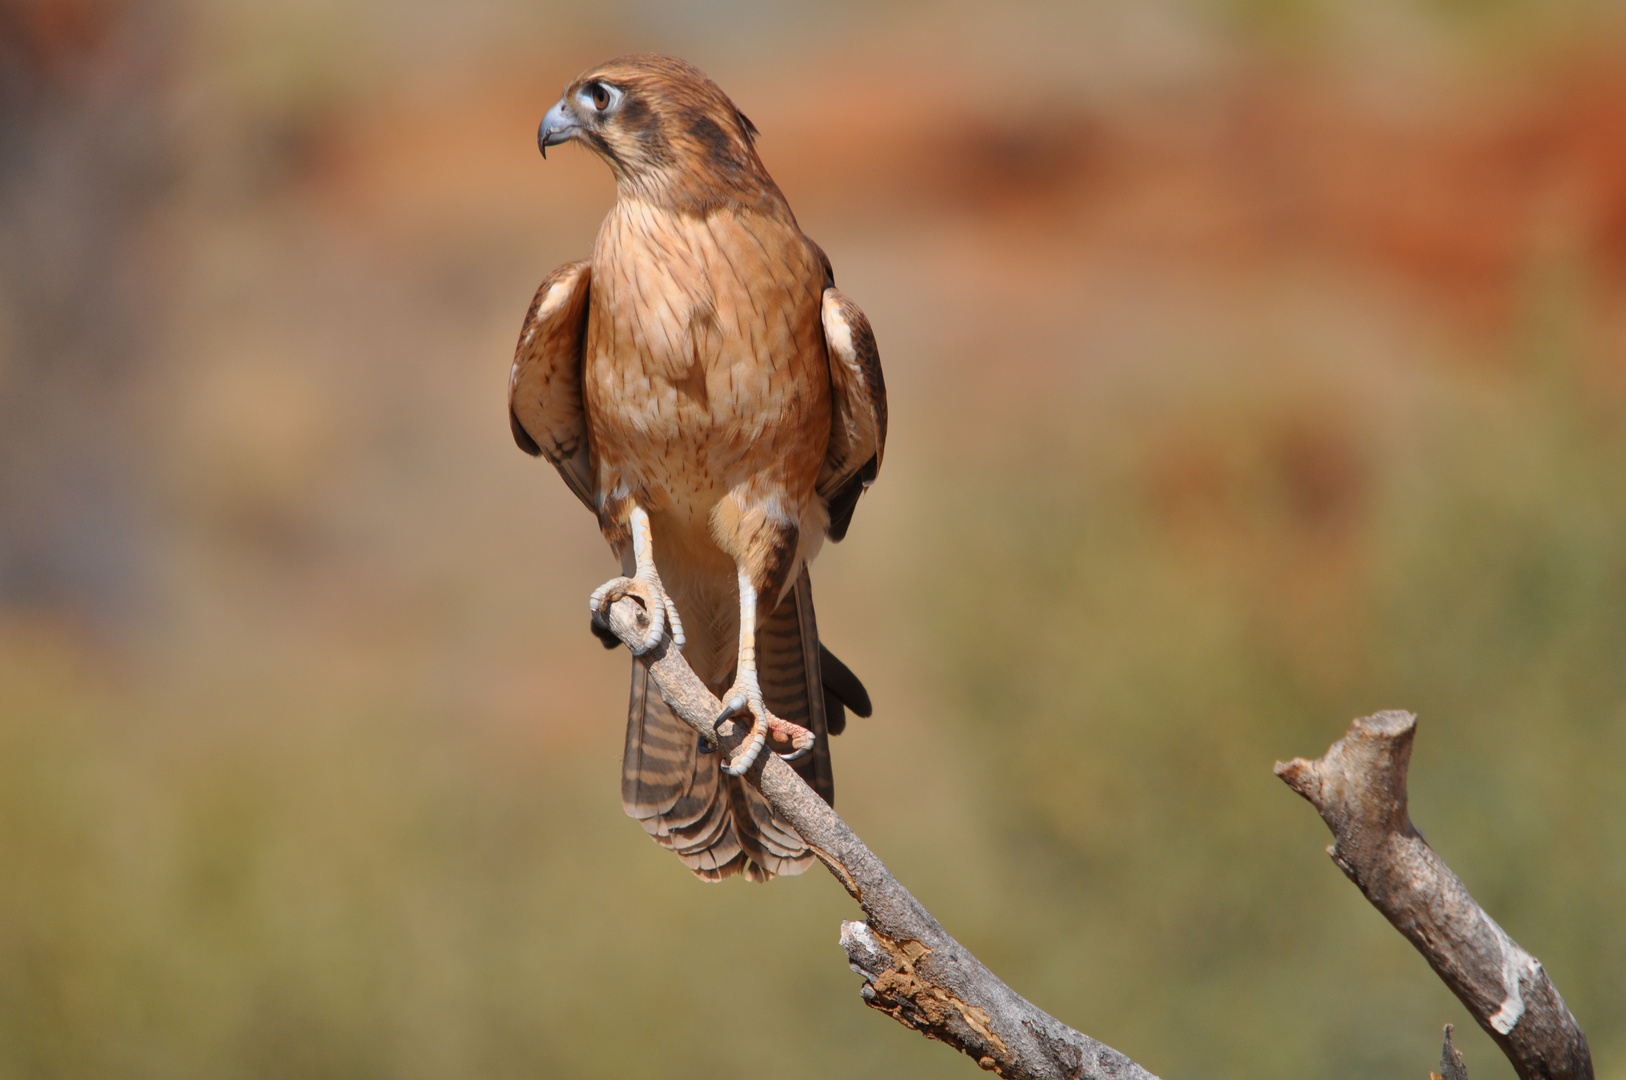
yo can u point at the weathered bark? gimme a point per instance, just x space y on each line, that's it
1359 787
919 975
913 970
1451 1066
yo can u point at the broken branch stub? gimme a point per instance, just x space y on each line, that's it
1451 1066
1359 788
913 970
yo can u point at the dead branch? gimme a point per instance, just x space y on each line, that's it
1359 787
913 970
920 976
1451 1066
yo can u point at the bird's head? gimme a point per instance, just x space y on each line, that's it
669 134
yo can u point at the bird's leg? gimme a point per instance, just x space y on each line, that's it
746 696
644 585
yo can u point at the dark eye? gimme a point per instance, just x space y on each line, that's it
601 96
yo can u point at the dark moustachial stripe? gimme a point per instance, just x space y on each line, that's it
600 144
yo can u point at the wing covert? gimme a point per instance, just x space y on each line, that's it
858 412
544 388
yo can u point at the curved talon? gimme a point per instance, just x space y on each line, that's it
763 724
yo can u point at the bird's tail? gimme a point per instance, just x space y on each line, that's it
720 825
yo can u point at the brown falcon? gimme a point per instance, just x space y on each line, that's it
704 388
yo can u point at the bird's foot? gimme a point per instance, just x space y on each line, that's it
796 739
765 726
657 605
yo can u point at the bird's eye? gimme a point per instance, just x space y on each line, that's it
601 96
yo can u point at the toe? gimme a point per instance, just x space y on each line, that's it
746 756
755 740
673 621
607 594
657 627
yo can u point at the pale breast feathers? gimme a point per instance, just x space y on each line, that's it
545 387
858 400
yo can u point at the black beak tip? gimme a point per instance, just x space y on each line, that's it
542 139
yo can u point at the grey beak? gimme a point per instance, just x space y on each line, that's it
556 127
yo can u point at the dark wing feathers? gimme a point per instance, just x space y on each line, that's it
842 691
840 681
545 386
858 413
842 504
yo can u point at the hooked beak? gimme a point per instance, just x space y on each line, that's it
556 127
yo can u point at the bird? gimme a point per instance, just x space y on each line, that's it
704 388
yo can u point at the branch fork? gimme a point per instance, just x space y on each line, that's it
1359 788
915 972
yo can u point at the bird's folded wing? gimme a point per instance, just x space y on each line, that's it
545 386
858 407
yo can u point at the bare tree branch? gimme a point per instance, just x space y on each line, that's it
913 970
1359 787
1451 1066
919 975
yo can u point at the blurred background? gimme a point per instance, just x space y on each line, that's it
1254 365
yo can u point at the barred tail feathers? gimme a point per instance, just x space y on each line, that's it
719 825
788 667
